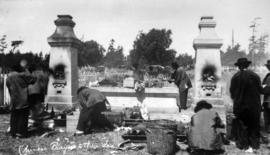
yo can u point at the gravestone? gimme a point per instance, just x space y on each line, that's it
128 82
208 67
63 84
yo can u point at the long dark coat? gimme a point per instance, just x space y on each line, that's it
245 91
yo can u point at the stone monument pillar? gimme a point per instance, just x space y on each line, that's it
63 84
208 68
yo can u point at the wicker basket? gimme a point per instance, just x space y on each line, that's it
161 137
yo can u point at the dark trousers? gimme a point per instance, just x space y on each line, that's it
183 99
90 118
266 116
36 107
19 121
251 120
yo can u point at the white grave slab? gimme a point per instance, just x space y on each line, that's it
161 100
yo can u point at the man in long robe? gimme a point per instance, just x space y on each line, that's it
245 92
182 81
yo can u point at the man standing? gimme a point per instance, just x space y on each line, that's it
17 83
91 102
37 92
266 100
182 81
245 92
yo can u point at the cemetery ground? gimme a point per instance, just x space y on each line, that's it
97 143
106 143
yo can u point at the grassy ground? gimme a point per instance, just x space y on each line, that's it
96 144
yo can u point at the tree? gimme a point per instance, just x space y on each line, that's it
8 60
114 56
257 45
152 48
185 60
92 53
15 44
231 55
257 49
3 43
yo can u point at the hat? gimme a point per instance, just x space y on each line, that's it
242 62
268 63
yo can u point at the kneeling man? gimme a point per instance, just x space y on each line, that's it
91 102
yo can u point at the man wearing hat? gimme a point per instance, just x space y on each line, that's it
245 92
266 100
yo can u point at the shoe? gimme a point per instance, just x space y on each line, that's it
184 108
78 133
249 150
19 136
232 143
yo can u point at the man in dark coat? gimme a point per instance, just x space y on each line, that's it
37 92
266 100
91 102
245 92
182 81
17 84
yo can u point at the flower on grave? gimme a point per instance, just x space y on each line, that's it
139 87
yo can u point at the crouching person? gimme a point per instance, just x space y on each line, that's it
204 136
91 103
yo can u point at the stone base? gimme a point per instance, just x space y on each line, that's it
59 106
72 121
59 102
216 102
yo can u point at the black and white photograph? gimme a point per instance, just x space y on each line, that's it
134 77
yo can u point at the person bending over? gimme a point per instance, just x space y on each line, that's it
92 103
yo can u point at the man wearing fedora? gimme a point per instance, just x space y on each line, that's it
245 92
266 99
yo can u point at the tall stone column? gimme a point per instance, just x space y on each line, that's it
63 84
208 67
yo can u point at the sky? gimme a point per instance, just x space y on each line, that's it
101 20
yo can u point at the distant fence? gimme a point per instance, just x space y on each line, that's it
4 94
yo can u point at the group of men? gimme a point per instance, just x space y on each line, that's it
27 86
246 90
